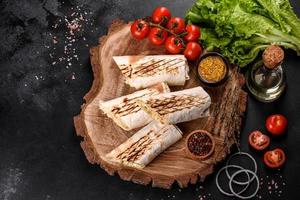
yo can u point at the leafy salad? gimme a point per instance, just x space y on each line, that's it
240 29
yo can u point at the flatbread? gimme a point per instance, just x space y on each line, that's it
146 144
142 71
176 107
126 113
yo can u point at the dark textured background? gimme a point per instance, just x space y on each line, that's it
41 89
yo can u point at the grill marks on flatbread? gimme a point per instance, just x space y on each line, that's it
126 70
158 66
152 67
137 149
146 144
176 103
177 107
141 71
125 111
129 105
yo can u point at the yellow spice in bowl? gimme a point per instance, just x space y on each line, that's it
212 69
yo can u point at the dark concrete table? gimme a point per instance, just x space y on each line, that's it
45 72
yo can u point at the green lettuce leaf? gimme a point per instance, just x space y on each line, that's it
240 29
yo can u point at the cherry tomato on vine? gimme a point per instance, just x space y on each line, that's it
140 29
258 140
174 45
161 15
275 158
193 33
192 51
276 124
176 25
157 36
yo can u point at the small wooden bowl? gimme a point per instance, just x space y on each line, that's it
225 75
194 156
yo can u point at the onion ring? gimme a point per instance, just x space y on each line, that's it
225 168
238 194
240 154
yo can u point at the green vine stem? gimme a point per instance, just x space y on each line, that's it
178 36
163 28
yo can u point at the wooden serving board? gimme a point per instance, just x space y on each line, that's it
101 135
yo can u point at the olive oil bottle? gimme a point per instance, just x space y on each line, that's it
266 79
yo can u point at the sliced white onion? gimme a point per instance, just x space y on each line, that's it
238 194
225 168
254 163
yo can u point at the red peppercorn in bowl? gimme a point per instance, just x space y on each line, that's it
199 144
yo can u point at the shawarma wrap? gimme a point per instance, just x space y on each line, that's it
124 110
146 144
142 71
176 107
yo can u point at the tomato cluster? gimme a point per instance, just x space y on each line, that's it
170 31
276 125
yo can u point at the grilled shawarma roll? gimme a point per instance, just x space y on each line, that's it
141 148
124 110
176 107
142 71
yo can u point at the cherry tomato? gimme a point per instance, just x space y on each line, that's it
276 124
173 45
193 33
157 36
192 51
140 29
275 158
161 15
176 25
258 141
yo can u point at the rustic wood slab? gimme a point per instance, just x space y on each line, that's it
101 135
